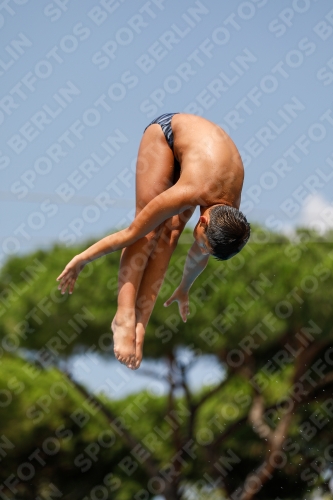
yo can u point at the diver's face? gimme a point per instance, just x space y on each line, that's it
200 237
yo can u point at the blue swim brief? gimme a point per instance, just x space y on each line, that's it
165 122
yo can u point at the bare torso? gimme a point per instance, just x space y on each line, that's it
210 161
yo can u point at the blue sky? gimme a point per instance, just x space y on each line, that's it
261 69
81 80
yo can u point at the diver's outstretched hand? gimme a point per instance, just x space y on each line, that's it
182 297
69 275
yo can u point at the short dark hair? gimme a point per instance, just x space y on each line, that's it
227 232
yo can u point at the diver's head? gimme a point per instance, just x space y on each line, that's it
222 231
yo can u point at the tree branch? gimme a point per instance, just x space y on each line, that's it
255 481
210 394
188 396
256 417
303 361
184 385
150 464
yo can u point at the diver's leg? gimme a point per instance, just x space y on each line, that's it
154 275
154 174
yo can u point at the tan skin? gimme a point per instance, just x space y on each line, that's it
212 174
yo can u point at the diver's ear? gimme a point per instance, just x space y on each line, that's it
204 220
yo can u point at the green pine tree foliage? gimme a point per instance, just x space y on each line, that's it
265 316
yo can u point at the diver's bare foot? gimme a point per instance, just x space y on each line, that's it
140 336
123 327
